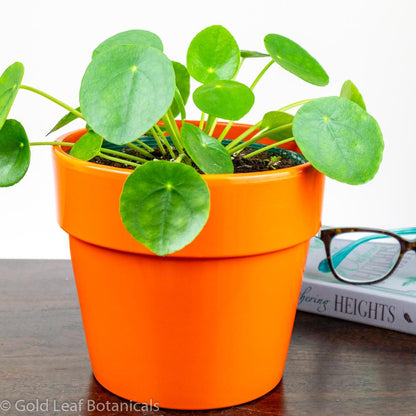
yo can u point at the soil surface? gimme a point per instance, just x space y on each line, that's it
259 163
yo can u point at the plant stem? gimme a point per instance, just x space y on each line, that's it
243 145
225 131
211 130
239 67
179 158
211 120
146 146
116 159
139 150
68 144
243 136
158 141
262 72
173 130
169 147
202 121
296 104
165 141
276 129
159 130
175 127
109 151
55 100
123 155
266 148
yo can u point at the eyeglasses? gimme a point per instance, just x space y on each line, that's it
364 255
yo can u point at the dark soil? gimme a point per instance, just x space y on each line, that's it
262 162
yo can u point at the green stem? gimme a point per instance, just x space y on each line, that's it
243 136
243 145
173 130
175 126
239 67
139 150
211 120
276 129
165 141
68 144
109 151
116 159
159 130
146 146
53 99
123 155
296 104
262 72
158 140
179 158
225 131
169 147
265 133
202 121
266 148
211 130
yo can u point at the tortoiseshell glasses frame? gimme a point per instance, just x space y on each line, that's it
332 261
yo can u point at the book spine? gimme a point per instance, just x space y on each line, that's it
362 306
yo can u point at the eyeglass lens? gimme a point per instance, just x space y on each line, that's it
363 256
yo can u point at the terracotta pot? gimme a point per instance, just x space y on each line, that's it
208 326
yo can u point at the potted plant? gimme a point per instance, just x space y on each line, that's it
188 273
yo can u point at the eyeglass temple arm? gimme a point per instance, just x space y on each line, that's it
341 254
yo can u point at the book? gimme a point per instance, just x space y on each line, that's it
388 304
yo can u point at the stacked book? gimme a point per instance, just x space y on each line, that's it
388 304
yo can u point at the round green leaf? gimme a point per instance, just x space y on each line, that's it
125 91
253 54
164 205
350 91
87 147
340 139
207 153
229 100
183 85
14 153
277 123
292 57
130 37
10 82
212 55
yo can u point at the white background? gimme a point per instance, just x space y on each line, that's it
372 43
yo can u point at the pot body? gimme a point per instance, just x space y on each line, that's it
208 326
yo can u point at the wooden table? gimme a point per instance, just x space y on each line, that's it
333 368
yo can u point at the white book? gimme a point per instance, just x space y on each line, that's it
389 304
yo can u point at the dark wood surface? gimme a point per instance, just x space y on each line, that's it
333 367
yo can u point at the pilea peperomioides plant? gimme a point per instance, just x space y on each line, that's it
132 89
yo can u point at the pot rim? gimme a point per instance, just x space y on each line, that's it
97 168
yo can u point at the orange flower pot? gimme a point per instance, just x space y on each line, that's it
208 326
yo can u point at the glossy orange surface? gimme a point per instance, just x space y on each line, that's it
210 325
187 333
250 213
